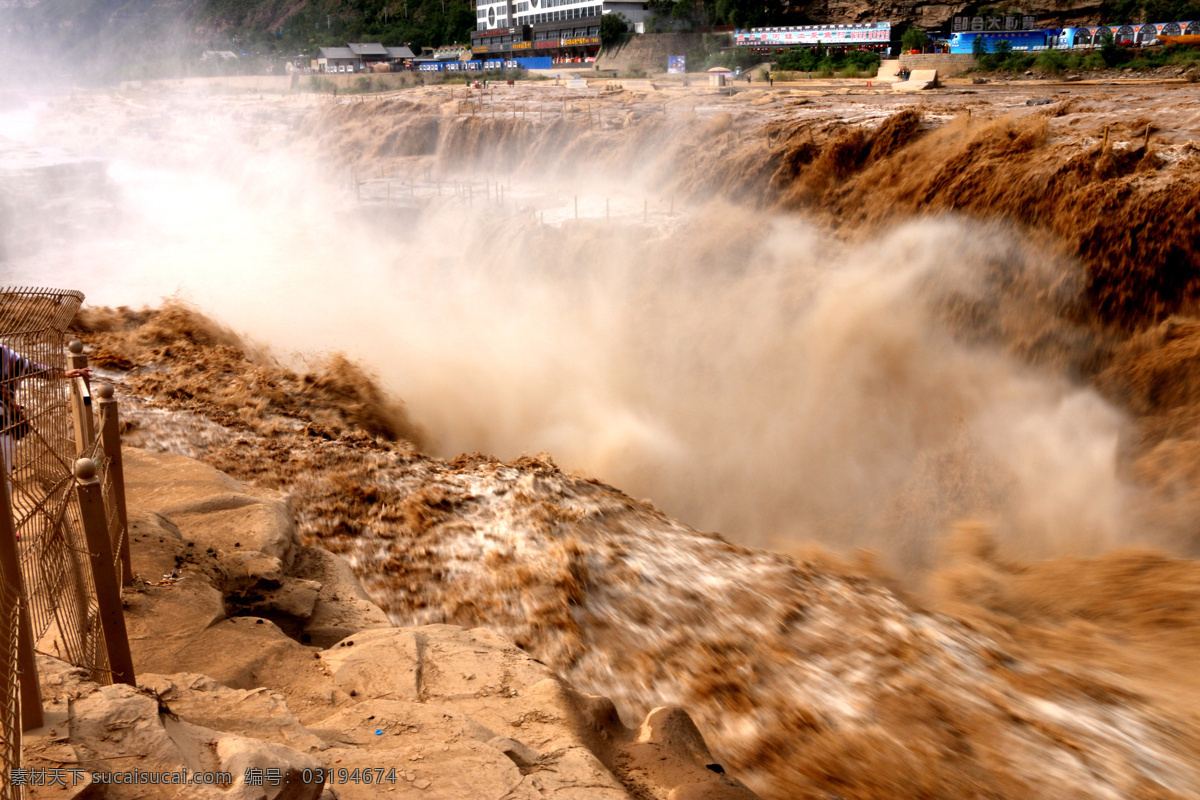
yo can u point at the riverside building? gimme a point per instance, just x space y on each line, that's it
568 31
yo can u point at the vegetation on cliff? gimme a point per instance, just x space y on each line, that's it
141 38
305 26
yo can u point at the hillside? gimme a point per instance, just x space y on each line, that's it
106 39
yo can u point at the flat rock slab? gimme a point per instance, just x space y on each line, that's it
488 704
163 620
887 71
210 508
122 728
256 713
918 80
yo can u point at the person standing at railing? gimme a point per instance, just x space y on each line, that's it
14 425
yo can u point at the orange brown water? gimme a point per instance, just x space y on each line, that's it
950 341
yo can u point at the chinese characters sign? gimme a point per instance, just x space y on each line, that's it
861 33
1009 23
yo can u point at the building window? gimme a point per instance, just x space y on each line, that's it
594 30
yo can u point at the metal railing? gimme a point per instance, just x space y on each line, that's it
64 549
10 697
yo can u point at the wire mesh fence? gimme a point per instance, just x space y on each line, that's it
10 708
114 524
40 445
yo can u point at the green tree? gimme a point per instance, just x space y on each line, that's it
613 28
1110 52
979 49
813 59
914 39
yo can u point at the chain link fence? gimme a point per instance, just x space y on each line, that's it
40 446
10 705
63 528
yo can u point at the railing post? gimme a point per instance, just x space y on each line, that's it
110 441
10 572
104 574
81 400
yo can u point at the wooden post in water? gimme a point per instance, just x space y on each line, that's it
10 571
1104 146
104 575
110 442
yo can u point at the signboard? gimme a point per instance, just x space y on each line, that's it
854 33
676 65
1009 23
581 41
522 45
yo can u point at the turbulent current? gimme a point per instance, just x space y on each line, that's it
799 322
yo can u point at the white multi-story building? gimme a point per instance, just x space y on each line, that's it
564 29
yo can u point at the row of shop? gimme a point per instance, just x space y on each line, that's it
571 41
